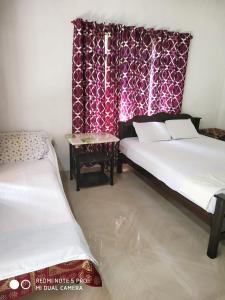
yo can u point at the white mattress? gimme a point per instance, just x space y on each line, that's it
193 167
37 228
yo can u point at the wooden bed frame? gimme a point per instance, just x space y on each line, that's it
216 221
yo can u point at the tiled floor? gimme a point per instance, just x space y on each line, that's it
148 248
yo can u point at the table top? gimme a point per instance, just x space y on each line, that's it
78 139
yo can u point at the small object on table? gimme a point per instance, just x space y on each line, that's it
102 157
215 133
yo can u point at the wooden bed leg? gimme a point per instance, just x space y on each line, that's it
120 163
216 226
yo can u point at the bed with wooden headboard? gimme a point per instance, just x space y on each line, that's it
215 216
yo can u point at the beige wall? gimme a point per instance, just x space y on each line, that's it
221 111
36 49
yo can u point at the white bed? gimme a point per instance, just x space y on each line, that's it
37 228
193 167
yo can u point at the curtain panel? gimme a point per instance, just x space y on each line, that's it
121 71
129 64
88 79
168 69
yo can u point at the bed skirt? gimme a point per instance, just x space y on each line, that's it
74 272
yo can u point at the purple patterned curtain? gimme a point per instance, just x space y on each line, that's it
129 64
88 82
168 69
141 73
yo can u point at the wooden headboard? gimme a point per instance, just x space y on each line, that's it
126 129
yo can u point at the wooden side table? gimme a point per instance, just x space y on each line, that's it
104 156
215 133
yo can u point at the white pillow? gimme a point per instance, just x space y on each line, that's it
181 129
151 132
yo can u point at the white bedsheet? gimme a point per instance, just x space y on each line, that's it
37 228
193 167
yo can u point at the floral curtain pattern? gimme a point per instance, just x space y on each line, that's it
135 71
